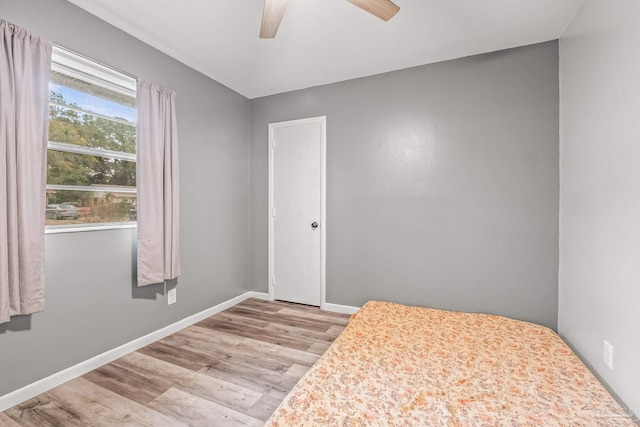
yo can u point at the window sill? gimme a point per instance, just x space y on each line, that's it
76 228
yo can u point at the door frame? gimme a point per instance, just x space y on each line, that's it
323 198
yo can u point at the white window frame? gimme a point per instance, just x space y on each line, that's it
75 65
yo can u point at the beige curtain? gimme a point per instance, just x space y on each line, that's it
25 68
157 182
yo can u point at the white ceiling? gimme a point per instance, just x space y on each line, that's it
325 41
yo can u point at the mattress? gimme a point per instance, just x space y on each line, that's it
411 366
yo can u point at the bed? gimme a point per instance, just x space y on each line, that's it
411 366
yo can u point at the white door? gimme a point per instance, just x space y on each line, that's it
297 228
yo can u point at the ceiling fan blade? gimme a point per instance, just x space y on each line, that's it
383 9
271 17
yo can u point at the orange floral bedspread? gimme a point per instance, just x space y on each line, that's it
410 366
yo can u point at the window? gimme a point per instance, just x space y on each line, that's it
91 169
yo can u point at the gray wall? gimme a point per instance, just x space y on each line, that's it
442 184
600 190
91 306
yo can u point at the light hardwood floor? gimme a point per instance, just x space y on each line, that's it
231 369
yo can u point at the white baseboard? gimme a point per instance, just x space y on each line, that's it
32 390
337 308
258 295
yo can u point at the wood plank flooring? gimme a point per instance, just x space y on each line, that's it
231 369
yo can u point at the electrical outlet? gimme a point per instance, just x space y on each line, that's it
607 354
171 296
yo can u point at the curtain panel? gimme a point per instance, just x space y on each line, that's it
25 70
157 182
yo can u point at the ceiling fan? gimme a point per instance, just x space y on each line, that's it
274 10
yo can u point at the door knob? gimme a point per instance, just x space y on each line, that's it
314 225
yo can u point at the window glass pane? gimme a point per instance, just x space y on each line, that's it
79 169
92 143
89 207
75 127
84 95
